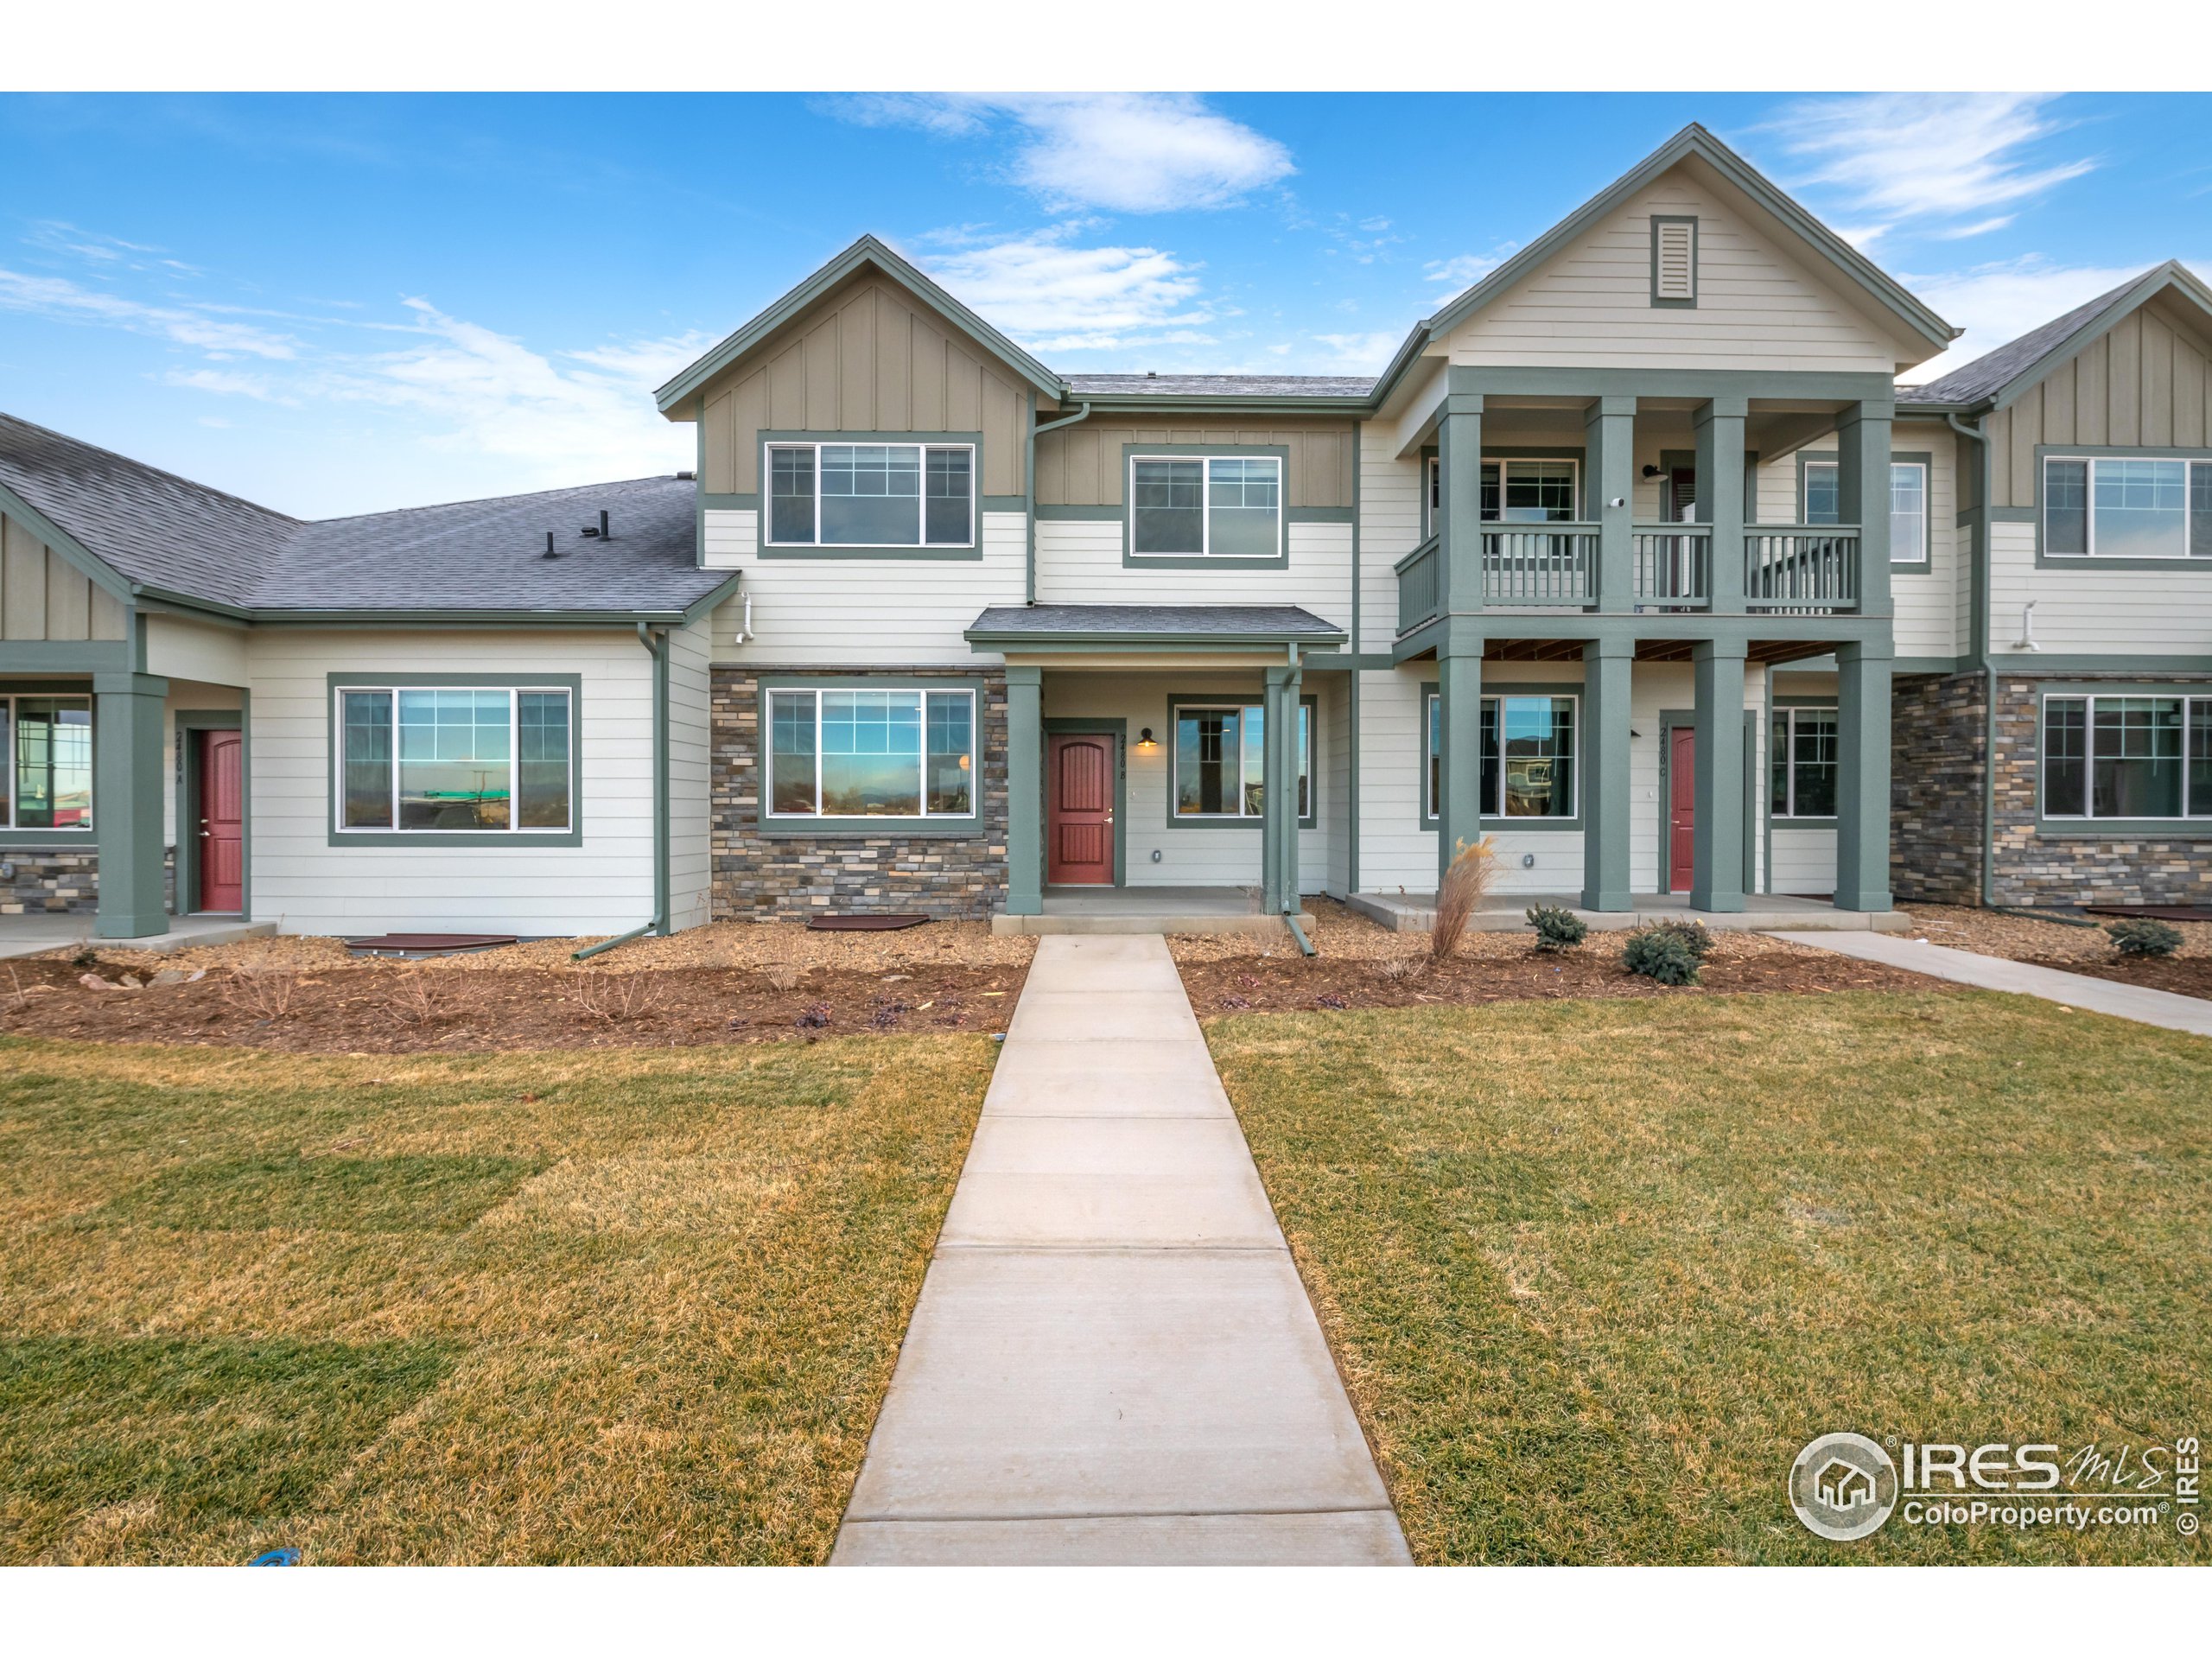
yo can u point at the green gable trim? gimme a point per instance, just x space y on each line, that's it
2172 275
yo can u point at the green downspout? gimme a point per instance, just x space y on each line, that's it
1978 550
654 640
1029 478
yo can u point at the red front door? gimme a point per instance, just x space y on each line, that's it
1681 807
1079 812
222 821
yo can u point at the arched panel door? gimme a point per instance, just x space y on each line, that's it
1079 812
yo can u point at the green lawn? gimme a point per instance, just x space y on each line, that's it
615 1305
1596 1270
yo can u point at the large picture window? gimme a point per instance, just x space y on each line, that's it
1907 505
46 744
1526 751
1221 761
466 760
1801 763
1206 506
871 495
2127 507
871 755
2126 756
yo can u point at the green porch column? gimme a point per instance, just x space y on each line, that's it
1609 433
1607 666
127 778
1717 845
1862 785
1719 426
1278 799
1862 477
1459 696
1025 791
1459 509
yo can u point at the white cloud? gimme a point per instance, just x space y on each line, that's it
1903 157
1462 271
69 301
2000 301
1355 353
1122 152
1052 294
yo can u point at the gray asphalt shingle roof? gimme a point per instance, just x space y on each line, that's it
1994 369
1227 621
167 532
1221 386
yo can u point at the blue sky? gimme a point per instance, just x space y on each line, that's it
339 304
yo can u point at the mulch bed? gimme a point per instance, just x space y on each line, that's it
379 1010
1277 984
2185 975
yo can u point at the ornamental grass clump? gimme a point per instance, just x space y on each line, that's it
1664 953
1460 894
2142 935
1557 929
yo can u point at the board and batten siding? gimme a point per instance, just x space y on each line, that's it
43 596
1079 563
1081 466
859 613
604 885
868 358
2144 382
690 743
1590 304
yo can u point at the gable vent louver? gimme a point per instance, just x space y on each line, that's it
1674 260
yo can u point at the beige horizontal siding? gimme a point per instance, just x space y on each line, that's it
2096 609
1082 465
1079 563
1389 528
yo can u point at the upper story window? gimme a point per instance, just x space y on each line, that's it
1537 492
871 755
871 495
455 759
46 746
2127 507
1907 505
1206 506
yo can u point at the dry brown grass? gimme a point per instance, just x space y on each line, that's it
614 1306
1466 882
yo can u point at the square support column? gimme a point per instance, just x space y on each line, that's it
1862 784
1459 744
1862 478
1607 668
1025 791
1609 435
1459 508
1279 799
1717 845
1719 426
127 805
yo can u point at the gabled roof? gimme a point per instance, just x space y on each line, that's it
1692 141
168 538
1999 377
863 253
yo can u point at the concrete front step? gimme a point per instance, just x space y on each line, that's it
1416 913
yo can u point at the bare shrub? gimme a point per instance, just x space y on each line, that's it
1398 969
783 970
617 997
264 993
1460 894
416 999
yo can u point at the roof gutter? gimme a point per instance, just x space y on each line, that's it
1029 484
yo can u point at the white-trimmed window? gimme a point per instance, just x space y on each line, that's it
489 760
47 744
864 754
871 495
1533 491
1907 505
2127 507
1221 761
1206 506
2126 756
1801 762
1527 774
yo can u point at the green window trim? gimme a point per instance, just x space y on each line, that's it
1219 562
761 502
1785 711
47 702
2193 761
1308 703
2195 552
1431 692
796 827
488 840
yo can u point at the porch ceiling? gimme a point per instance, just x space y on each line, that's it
1649 651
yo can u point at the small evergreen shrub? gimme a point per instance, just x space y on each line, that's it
1662 953
1694 937
1557 929
2141 936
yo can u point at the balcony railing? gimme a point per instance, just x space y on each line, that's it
1810 569
1673 567
1551 564
1421 586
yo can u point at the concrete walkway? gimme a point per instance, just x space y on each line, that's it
1113 1360
2190 1013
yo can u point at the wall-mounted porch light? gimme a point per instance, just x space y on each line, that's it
1145 744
